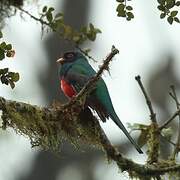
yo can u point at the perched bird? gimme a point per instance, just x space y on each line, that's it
74 73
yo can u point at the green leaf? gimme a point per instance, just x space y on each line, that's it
1 34
174 13
50 9
4 80
122 14
178 3
12 84
8 47
49 16
170 20
161 8
1 71
2 56
120 10
120 7
5 70
91 36
3 45
130 15
129 8
162 2
176 19
91 26
15 77
120 0
128 18
44 9
170 4
162 15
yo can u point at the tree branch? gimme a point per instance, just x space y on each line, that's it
153 133
169 120
46 127
176 149
90 84
55 29
152 114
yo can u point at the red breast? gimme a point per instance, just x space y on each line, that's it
67 88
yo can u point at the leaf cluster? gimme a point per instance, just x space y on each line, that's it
167 10
7 77
57 24
124 10
5 49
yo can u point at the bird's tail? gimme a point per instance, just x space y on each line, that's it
116 119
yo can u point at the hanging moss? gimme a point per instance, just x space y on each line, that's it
48 127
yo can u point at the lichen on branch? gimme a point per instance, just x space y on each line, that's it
48 126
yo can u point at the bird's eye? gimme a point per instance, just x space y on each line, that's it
69 55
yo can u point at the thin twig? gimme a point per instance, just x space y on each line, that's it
85 53
169 120
34 17
89 85
176 149
152 114
169 141
153 140
48 24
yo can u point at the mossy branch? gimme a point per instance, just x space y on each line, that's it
46 127
153 132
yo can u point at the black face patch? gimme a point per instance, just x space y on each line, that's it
69 56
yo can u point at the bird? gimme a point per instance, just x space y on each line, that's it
74 72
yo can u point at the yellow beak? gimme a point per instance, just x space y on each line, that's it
60 60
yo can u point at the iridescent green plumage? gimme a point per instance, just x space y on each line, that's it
77 71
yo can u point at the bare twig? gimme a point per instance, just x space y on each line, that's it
169 141
33 17
85 53
152 114
176 149
153 133
89 85
170 119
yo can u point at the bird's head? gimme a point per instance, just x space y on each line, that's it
68 59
